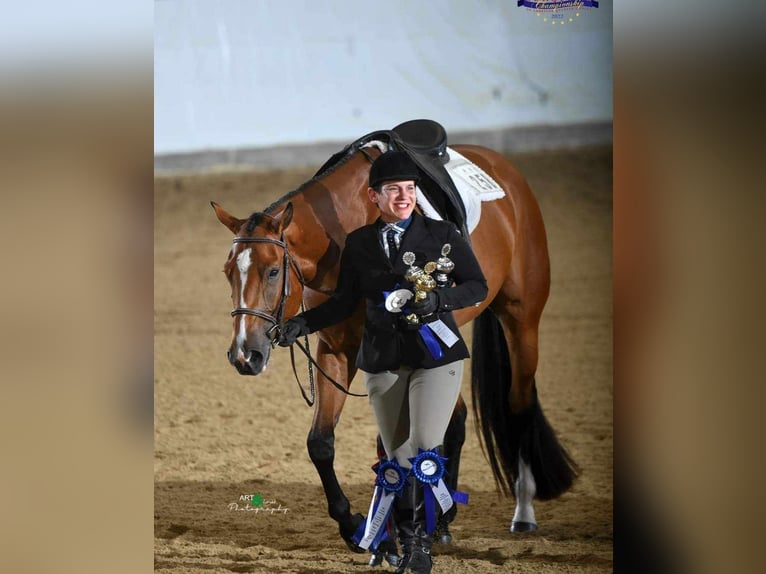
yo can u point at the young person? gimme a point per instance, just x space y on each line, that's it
412 371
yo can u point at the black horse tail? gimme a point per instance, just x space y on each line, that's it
506 435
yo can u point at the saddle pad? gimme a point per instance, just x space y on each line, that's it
472 182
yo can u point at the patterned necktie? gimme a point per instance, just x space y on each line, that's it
391 240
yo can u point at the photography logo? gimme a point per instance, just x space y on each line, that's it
256 504
558 12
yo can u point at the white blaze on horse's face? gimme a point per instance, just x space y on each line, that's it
243 264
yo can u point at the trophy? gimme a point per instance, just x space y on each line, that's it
421 279
444 265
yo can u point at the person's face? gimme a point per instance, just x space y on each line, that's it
396 200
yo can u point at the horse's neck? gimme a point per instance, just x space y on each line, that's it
325 213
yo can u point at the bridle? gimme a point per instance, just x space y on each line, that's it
276 319
287 260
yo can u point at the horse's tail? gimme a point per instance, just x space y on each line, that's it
506 435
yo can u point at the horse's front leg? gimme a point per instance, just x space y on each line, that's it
321 438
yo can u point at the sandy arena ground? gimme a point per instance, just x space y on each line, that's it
219 435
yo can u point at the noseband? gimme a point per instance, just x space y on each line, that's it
275 319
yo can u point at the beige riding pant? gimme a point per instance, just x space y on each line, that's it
413 407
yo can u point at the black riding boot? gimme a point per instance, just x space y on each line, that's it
410 512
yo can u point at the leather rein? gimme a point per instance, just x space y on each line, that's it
277 319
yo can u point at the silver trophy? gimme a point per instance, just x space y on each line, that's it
444 265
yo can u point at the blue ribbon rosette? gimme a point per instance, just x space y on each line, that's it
428 467
389 483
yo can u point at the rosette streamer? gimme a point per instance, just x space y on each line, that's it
429 467
432 344
389 483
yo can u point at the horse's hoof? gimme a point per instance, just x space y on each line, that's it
386 550
519 526
442 534
377 559
347 533
443 537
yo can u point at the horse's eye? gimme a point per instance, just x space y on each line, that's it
273 272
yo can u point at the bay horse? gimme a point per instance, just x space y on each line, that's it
290 253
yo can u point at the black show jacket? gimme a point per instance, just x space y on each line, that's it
365 271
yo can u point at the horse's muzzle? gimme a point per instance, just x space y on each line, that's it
249 362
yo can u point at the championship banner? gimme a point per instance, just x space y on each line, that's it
557 4
428 467
389 483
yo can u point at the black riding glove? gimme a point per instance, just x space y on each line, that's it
291 330
427 306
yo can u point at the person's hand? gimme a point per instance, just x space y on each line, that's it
291 330
427 306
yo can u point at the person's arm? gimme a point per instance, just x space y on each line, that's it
338 307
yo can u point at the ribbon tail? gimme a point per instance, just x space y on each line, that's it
432 344
381 535
376 521
459 496
363 529
430 509
443 496
359 534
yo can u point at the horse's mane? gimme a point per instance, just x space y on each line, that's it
325 170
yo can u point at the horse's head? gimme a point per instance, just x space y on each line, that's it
266 285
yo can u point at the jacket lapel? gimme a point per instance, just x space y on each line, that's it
372 239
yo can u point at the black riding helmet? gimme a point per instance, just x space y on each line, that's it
393 166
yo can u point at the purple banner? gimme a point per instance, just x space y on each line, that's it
555 4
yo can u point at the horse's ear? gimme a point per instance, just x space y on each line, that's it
226 218
285 217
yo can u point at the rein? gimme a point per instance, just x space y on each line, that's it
277 319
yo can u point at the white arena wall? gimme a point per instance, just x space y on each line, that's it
287 82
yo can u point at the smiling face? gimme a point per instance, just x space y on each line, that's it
396 200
